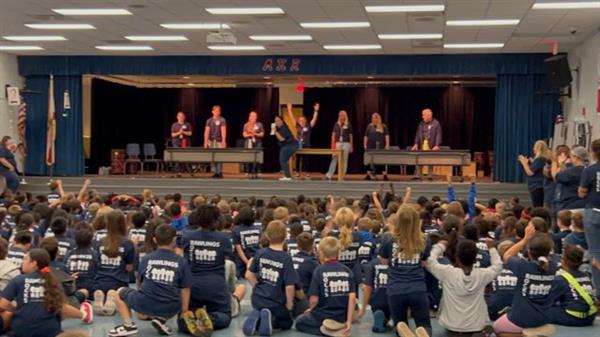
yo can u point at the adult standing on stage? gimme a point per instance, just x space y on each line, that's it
287 146
253 134
377 137
341 138
8 165
534 169
428 137
303 131
589 188
215 137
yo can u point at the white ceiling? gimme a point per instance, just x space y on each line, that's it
532 34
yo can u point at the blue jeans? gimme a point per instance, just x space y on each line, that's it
285 153
418 304
12 180
591 225
334 161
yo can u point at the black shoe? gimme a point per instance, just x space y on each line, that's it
123 331
385 177
367 177
161 326
220 175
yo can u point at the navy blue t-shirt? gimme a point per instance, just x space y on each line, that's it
567 297
558 240
536 181
138 234
274 271
292 247
285 132
332 283
111 272
16 255
99 235
567 182
367 251
82 261
65 244
31 317
342 133
248 237
376 277
590 179
163 274
349 256
206 251
303 133
503 289
531 293
305 265
406 275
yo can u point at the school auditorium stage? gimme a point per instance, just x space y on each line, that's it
236 185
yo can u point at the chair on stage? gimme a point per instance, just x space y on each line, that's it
133 156
150 157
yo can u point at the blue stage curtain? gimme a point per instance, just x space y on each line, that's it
525 112
69 130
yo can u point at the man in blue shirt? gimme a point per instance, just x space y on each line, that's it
8 165
215 136
165 287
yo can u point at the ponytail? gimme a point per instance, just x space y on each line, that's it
345 219
539 248
543 264
53 292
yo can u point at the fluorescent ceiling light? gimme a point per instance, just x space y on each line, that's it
492 22
123 48
245 10
91 11
156 38
567 5
281 37
35 38
409 36
59 26
352 46
405 9
472 45
349 24
195 25
9 48
233 48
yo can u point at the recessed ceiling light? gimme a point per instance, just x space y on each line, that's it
349 24
405 9
238 48
190 84
91 11
352 46
567 5
59 26
35 38
409 36
186 77
124 48
156 38
245 11
472 45
492 22
267 77
16 48
195 25
370 77
280 37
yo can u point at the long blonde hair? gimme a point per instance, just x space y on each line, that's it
344 218
543 150
407 232
345 114
379 125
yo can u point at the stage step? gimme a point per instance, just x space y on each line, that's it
267 188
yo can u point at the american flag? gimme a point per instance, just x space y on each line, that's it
22 122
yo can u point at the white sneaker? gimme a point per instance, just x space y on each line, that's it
285 179
235 306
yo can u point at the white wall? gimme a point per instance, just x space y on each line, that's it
9 74
585 86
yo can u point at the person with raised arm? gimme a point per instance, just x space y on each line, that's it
303 132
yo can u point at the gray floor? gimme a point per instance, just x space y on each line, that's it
102 325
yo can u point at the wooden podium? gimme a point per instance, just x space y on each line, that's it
117 161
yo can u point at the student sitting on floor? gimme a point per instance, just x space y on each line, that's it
273 277
65 243
82 260
8 270
39 298
572 292
535 276
463 311
20 245
375 294
165 281
305 264
563 220
404 251
246 237
332 295
500 297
